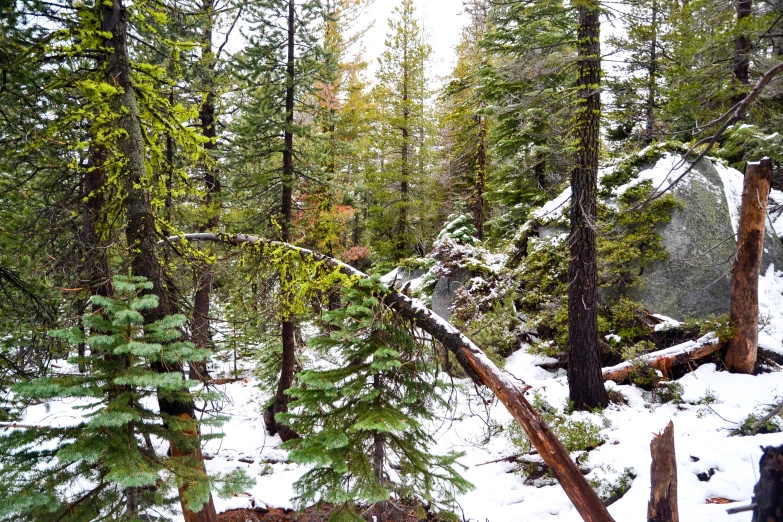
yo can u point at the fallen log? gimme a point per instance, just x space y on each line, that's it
663 477
665 360
473 360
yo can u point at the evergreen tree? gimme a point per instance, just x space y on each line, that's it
636 90
528 85
466 122
363 423
280 77
402 186
108 460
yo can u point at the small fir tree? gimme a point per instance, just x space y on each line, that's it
362 423
106 466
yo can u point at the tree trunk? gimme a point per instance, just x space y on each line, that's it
741 352
378 458
479 205
141 234
281 401
586 387
652 71
663 475
477 365
202 336
401 250
742 48
768 493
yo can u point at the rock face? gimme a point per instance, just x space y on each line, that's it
444 294
701 242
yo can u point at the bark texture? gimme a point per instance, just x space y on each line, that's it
140 231
768 493
480 368
742 349
585 385
742 48
282 399
663 474
202 336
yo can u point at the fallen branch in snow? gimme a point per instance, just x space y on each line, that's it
473 360
775 411
510 458
665 360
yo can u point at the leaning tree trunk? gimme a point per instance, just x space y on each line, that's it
477 365
141 236
288 328
585 385
742 349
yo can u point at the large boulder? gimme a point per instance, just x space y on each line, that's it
445 292
701 241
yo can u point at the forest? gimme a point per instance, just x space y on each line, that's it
251 270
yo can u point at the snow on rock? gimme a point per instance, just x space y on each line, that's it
553 209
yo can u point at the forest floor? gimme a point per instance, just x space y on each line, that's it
713 403
715 467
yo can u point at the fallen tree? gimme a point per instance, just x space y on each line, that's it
665 360
473 360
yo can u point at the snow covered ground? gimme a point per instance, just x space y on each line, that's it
701 432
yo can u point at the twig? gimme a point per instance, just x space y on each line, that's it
741 509
511 458
776 410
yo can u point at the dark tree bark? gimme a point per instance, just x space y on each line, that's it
282 399
401 250
652 79
480 203
477 365
742 48
768 493
742 349
141 235
202 336
586 387
378 459
663 475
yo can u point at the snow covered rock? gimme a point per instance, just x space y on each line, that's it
700 240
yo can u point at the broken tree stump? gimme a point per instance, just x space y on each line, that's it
663 476
768 493
742 349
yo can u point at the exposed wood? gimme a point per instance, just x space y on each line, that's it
476 364
768 493
665 360
663 475
742 349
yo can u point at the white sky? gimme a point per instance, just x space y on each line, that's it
440 19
